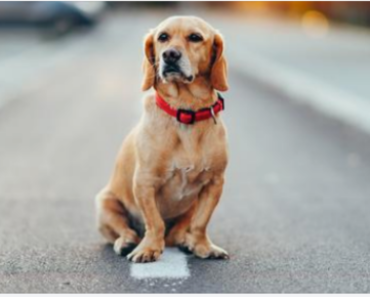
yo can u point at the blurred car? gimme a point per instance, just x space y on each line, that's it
60 16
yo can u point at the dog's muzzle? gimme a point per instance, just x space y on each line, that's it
171 60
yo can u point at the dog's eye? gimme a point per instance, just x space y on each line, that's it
195 37
163 37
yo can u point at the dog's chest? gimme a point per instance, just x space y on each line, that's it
187 177
192 174
181 187
189 168
184 182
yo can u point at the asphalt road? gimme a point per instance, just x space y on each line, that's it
294 214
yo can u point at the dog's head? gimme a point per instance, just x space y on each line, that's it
182 48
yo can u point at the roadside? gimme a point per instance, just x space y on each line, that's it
27 62
330 73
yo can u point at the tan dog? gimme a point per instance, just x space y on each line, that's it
169 176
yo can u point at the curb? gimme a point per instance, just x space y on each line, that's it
324 98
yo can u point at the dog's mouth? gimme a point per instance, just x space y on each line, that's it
173 72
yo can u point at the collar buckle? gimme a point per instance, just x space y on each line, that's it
186 113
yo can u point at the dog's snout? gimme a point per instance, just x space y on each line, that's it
171 55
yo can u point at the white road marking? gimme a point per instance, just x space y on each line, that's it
327 99
172 264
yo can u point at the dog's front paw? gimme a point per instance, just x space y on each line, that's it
147 251
176 238
203 248
125 244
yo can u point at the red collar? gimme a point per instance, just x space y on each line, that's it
188 116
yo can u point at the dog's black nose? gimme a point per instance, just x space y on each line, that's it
171 55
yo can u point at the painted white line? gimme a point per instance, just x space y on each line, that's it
327 99
172 264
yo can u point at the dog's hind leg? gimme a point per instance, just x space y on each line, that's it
113 223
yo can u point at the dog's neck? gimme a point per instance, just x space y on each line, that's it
197 95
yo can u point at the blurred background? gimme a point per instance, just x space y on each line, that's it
294 215
317 38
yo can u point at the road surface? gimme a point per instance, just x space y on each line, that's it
295 210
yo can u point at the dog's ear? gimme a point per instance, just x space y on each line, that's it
148 62
219 67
